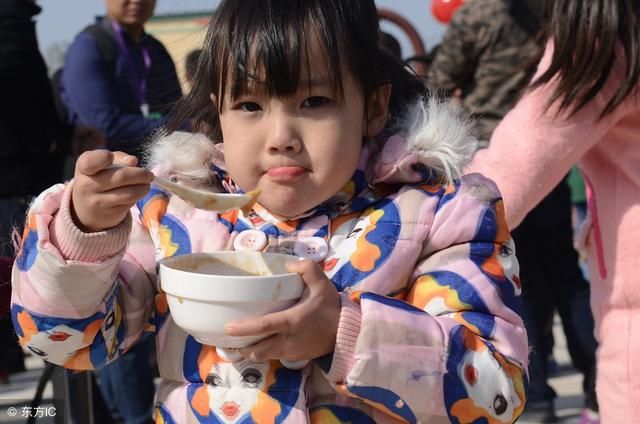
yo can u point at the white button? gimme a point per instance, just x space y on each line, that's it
253 240
314 248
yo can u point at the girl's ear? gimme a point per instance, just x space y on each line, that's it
214 100
378 110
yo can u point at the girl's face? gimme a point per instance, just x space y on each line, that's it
299 150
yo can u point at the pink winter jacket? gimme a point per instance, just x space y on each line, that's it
530 152
429 329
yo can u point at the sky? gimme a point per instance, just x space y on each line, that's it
60 20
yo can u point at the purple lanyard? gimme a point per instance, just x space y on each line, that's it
141 81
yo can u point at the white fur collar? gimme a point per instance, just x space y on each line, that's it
439 136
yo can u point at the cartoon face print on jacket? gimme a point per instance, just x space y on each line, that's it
481 383
359 245
497 256
507 258
72 337
226 384
239 392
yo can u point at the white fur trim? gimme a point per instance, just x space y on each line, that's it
184 155
441 137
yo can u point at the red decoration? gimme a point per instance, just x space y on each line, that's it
443 9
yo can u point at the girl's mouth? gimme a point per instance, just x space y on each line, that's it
285 174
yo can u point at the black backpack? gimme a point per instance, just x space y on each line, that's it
109 50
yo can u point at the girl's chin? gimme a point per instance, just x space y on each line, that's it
285 214
285 208
286 204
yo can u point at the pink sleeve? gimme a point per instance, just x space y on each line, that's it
96 291
532 149
76 245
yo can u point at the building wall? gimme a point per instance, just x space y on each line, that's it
180 33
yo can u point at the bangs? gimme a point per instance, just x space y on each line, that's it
268 51
270 45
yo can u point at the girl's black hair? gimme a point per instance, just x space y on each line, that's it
585 34
266 42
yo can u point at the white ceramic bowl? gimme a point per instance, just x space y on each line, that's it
205 291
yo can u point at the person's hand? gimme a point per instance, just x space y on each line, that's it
105 186
305 331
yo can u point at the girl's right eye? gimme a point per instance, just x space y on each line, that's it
315 101
248 107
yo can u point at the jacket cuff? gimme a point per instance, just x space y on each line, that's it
346 339
76 245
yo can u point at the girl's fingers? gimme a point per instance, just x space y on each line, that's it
276 322
269 348
116 177
127 176
123 196
94 161
121 158
311 273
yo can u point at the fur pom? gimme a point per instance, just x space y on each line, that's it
441 137
185 156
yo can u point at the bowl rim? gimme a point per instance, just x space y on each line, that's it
200 285
165 262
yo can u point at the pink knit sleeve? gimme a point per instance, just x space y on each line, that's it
346 338
532 149
76 245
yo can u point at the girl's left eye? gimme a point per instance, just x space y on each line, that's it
315 101
248 107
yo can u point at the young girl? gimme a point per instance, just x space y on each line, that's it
410 310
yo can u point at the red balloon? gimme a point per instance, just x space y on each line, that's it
443 9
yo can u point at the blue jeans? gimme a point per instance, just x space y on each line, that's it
127 383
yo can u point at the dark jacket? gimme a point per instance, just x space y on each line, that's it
31 138
107 97
489 53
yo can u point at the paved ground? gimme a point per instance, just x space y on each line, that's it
22 387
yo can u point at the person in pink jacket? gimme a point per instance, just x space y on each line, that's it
412 291
584 107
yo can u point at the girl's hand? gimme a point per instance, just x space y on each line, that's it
102 193
305 331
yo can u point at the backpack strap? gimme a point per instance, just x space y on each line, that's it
106 44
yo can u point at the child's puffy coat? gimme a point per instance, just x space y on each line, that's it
429 329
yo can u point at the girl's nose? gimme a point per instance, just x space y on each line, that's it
283 137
